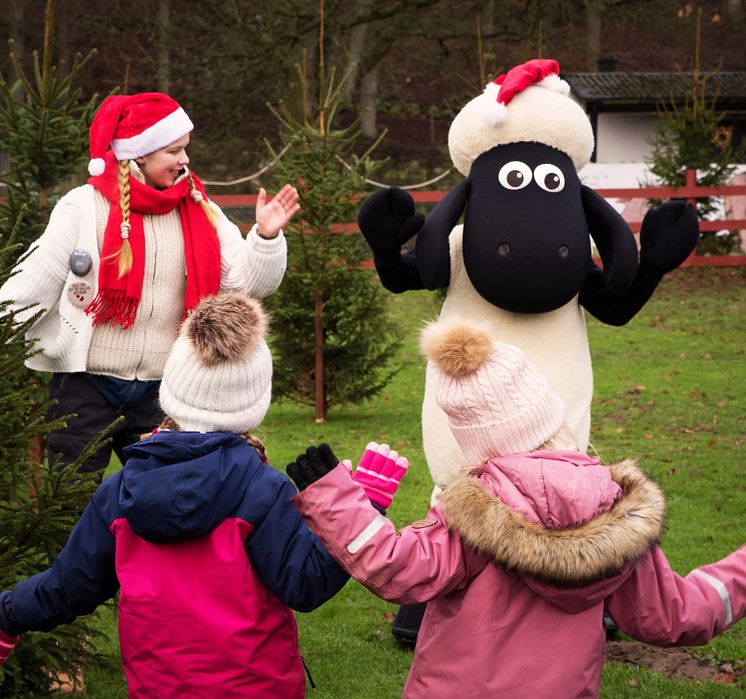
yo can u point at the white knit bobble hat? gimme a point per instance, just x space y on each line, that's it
528 103
218 377
495 401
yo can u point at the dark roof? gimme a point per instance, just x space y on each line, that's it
615 87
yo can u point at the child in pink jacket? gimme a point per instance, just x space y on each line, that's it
521 555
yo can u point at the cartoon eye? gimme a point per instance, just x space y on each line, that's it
514 175
549 177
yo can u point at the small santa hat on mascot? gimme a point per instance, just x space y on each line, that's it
134 126
528 103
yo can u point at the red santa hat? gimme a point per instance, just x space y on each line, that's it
135 125
528 103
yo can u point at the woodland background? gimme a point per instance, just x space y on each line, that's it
410 64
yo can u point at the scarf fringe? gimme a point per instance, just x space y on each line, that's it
113 305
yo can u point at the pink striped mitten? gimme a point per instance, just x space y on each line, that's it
380 471
7 644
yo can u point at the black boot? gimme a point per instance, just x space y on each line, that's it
612 630
406 624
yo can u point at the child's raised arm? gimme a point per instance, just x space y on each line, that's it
656 605
379 470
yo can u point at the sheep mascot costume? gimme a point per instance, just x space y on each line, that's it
521 262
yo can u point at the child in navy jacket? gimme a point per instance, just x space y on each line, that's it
197 531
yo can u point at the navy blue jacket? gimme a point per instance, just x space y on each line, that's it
176 487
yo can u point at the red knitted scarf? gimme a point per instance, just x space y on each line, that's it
118 298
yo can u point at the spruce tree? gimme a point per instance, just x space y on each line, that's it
43 127
332 338
44 122
39 503
692 136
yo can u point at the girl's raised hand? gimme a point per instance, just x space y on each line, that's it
273 215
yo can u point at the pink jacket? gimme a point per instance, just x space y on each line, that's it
517 565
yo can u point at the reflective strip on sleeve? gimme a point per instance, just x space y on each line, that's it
365 536
720 588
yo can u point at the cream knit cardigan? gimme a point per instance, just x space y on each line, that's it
40 281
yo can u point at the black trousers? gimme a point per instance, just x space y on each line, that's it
75 394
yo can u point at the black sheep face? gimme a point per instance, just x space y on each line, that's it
526 241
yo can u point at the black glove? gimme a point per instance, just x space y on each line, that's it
314 464
668 235
388 220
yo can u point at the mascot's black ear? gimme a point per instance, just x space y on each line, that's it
432 252
614 240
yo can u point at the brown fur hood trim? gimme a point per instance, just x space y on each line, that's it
567 557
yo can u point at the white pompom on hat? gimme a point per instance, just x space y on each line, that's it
134 126
495 401
528 103
218 377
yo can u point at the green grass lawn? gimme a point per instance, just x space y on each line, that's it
670 388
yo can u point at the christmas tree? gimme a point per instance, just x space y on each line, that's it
43 127
39 502
332 339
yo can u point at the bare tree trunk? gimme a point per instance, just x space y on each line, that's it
734 9
368 105
164 54
593 17
15 17
61 29
318 332
357 46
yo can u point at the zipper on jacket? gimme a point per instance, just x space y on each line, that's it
308 672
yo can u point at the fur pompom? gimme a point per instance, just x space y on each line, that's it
225 328
96 166
555 83
456 348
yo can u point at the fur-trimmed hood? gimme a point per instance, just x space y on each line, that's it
520 511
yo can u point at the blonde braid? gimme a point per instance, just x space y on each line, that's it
168 423
258 445
211 217
124 254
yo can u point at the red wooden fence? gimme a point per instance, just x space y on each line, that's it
690 191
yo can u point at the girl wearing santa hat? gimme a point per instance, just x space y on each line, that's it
123 260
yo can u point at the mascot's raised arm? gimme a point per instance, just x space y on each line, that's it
521 261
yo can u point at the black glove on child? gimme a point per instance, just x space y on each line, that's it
314 464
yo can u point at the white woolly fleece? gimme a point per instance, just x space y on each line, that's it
556 344
536 114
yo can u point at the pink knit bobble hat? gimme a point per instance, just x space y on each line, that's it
496 402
